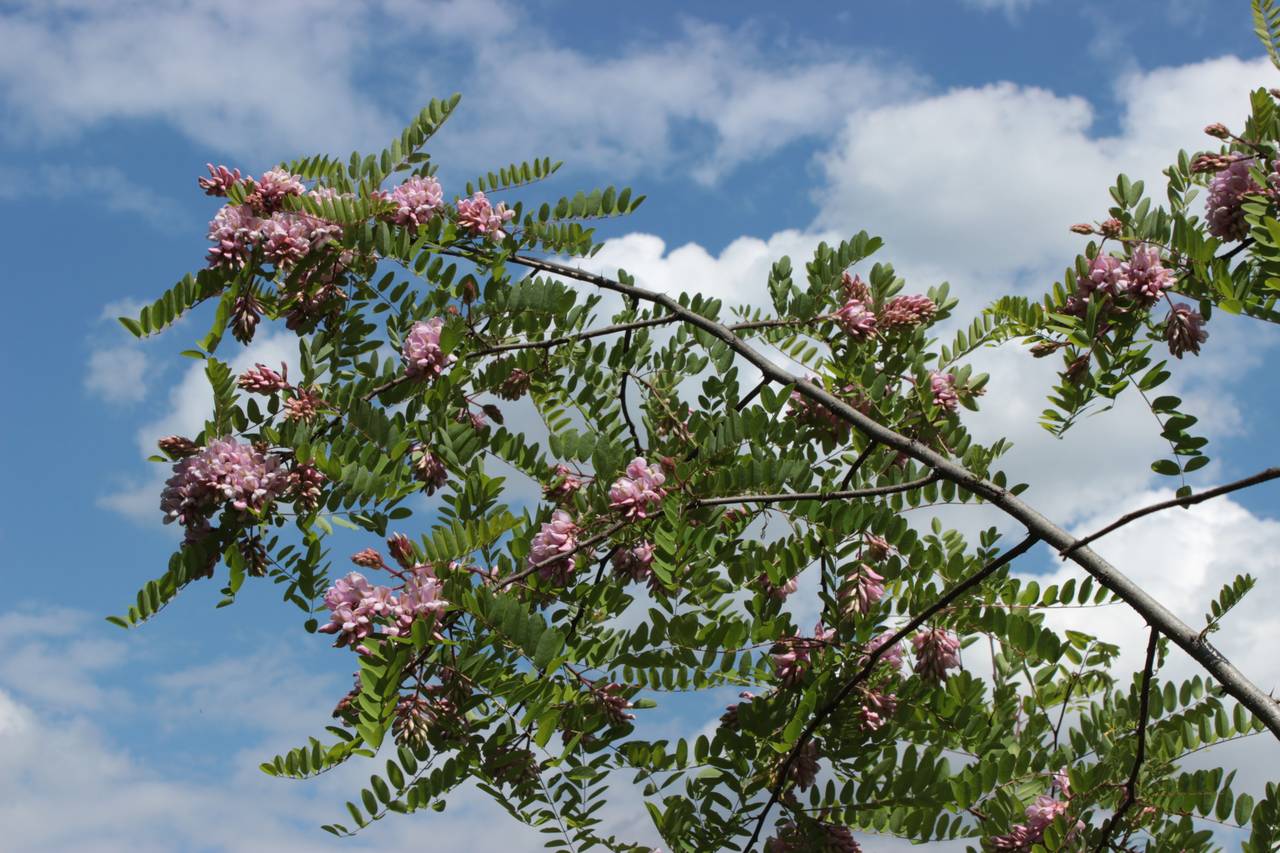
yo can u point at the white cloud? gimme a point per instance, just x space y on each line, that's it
106 186
1009 7
116 374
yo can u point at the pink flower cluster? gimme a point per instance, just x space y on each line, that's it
263 380
944 394
557 537
478 215
822 419
792 659
357 608
613 703
416 200
729 718
1184 330
1142 276
876 709
640 491
1224 207
421 350
937 650
781 591
285 237
1046 808
905 311
224 472
564 485
857 318
862 589
634 563
429 469
831 838
892 658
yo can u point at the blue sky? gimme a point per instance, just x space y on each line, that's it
970 134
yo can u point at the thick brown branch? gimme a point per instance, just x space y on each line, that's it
898 636
1155 613
1131 786
1189 500
846 494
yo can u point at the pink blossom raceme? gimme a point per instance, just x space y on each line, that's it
613 703
429 469
421 351
402 550
891 658
286 239
780 591
634 563
564 485
1184 330
245 315
305 484
178 446
792 661
937 650
904 311
420 597
1224 206
416 200
225 472
729 718
943 387
369 558
862 590
857 319
305 405
876 709
272 187
832 838
481 218
263 380
1104 276
639 491
804 768
875 548
219 181
516 385
1146 276
556 538
855 289
233 231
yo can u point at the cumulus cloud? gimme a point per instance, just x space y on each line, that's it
116 374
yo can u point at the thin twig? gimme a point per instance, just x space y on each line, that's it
857 463
846 494
1260 477
873 658
1131 786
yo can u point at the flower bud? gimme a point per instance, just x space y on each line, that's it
1218 130
178 447
1082 228
402 550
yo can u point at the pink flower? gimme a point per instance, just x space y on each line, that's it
402 550
804 767
1224 211
421 351
557 537
219 181
481 218
1104 276
225 472
369 558
634 563
420 597
613 703
1184 330
271 189
233 231
876 709
639 492
780 591
305 484
263 380
1147 278
288 237
855 289
943 387
857 318
729 718
304 405
429 469
937 650
875 548
416 200
907 311
863 588
564 486
891 658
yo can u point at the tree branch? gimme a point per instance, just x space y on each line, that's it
872 491
1155 613
581 546
1189 500
1131 786
916 621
